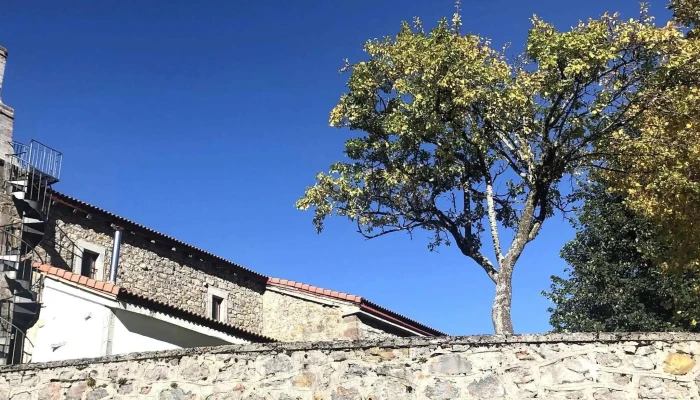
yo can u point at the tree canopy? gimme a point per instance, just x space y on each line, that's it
459 140
655 162
612 283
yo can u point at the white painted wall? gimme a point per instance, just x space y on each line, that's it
74 322
71 324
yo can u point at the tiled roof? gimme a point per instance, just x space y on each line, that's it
129 296
103 287
89 208
364 304
303 287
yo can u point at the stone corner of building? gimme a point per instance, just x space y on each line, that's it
7 110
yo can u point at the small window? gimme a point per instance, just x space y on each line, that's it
216 303
88 266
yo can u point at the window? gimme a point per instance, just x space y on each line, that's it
89 259
216 303
88 267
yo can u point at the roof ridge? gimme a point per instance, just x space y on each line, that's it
66 199
315 289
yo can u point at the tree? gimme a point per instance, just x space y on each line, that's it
612 285
655 163
467 144
686 12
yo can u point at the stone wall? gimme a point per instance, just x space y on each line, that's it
582 366
291 318
294 317
7 114
155 270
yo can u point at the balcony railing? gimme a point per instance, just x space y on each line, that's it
38 157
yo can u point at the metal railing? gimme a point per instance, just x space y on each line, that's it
13 338
39 157
16 342
11 242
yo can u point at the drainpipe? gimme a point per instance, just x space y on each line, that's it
116 245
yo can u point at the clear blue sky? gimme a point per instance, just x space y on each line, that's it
206 120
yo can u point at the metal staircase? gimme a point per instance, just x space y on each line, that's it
28 175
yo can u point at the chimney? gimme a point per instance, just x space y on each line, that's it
7 114
3 61
116 246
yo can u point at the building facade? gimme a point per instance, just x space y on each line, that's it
49 235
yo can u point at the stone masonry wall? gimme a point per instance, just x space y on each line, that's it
7 114
157 271
292 319
581 366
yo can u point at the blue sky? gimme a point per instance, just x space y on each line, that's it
207 121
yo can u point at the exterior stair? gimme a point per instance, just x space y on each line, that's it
28 177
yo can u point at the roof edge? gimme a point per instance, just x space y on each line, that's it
364 304
157 305
146 231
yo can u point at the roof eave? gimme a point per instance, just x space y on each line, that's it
146 231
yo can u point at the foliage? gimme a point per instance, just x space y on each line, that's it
686 12
461 141
612 285
655 162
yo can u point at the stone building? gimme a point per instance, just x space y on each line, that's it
48 234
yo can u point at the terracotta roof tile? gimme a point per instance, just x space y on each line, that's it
83 280
364 304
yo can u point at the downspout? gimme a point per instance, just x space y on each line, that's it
116 245
113 267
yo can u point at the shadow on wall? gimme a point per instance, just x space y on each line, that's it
132 331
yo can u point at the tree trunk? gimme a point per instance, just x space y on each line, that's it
500 311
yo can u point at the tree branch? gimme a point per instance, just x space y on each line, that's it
524 232
466 247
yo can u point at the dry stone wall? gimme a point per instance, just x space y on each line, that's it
583 366
157 271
